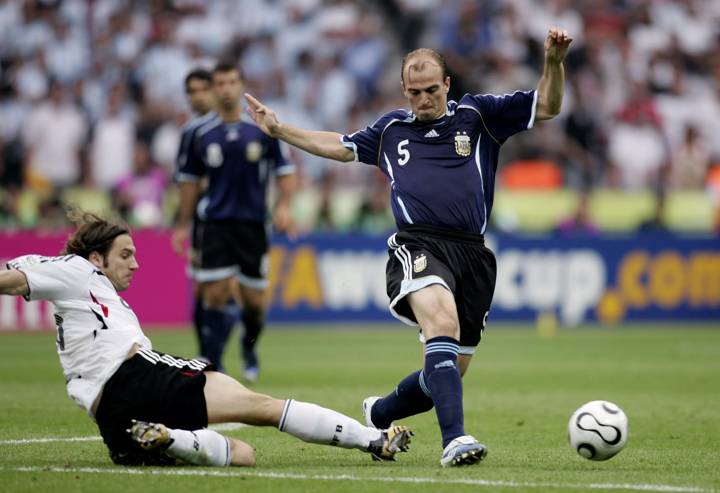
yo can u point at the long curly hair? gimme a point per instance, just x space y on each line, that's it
93 234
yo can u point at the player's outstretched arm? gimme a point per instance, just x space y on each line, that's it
324 144
552 83
13 282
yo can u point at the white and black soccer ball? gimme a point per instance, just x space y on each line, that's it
598 430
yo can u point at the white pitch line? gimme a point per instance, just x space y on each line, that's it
30 441
224 473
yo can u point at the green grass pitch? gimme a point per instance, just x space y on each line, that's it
519 394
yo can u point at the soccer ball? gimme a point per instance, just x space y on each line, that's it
598 430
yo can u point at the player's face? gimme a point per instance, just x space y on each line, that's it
120 263
227 87
199 95
425 89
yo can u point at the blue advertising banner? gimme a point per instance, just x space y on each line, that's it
577 279
341 278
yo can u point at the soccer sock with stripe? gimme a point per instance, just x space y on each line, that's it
253 320
200 447
408 399
443 380
314 424
217 325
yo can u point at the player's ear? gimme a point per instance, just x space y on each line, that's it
446 85
95 259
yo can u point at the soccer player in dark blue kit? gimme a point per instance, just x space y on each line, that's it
238 160
441 160
200 98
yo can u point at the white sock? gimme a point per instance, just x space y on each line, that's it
315 424
200 447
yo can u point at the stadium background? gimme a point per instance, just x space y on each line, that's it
91 106
609 213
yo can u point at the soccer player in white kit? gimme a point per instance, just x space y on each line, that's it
152 408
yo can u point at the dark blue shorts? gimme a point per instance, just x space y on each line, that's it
424 255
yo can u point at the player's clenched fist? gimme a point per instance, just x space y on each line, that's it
557 44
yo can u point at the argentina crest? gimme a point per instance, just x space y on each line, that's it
420 263
462 144
214 155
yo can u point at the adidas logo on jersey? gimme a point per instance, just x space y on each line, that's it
432 133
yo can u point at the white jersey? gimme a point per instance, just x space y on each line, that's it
96 328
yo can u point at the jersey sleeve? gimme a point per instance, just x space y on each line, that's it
366 143
503 116
54 278
278 153
189 165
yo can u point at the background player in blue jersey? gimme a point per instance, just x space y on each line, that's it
441 159
238 159
200 99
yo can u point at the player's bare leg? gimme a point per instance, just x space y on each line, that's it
229 401
464 363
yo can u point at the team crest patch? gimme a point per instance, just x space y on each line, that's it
419 263
214 155
462 144
253 151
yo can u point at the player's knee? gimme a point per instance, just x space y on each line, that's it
270 410
215 296
254 300
442 324
263 410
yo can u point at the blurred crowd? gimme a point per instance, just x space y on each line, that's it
92 100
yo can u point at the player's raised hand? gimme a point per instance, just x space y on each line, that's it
557 44
264 117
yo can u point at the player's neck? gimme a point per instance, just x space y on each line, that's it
433 118
230 116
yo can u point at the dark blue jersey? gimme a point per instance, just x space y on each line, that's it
186 138
238 159
442 172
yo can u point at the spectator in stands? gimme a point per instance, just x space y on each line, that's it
11 179
99 45
54 135
374 216
139 195
690 162
656 223
636 147
581 222
111 149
